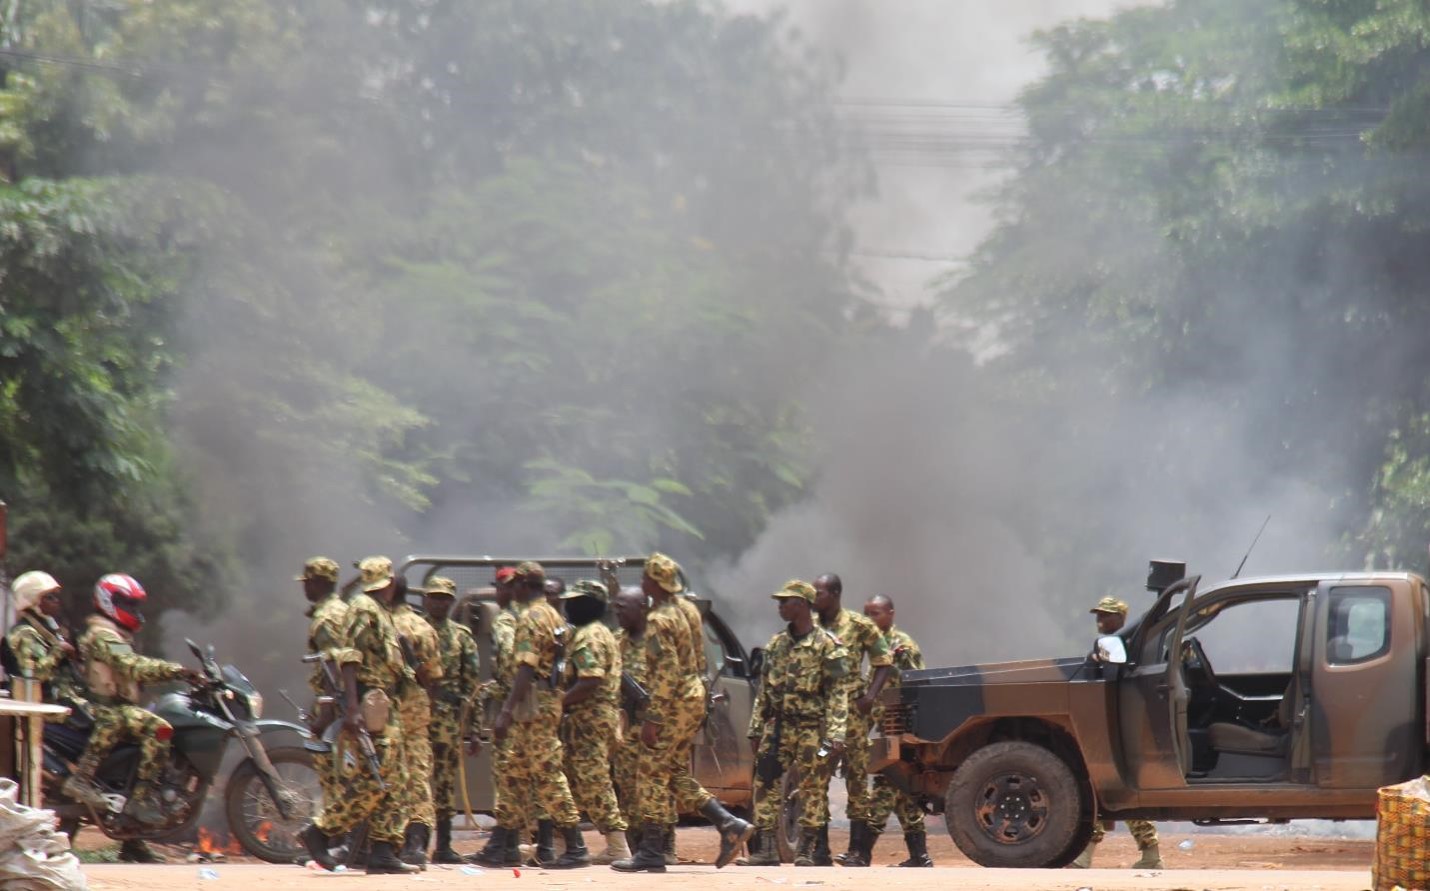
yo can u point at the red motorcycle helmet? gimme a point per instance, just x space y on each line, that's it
121 598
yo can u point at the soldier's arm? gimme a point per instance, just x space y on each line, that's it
35 660
762 698
836 708
470 679
120 656
662 673
589 673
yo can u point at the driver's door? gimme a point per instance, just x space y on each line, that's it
1153 698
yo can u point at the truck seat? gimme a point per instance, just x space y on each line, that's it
1269 739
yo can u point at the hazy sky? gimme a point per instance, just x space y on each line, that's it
956 61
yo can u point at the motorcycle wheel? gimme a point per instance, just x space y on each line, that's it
253 818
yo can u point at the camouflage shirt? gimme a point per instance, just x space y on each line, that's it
670 662
632 655
594 653
691 612
861 637
370 639
423 639
112 670
325 635
800 682
38 656
537 633
906 654
461 672
503 638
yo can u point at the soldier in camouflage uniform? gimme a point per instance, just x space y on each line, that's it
373 672
673 716
862 640
631 607
37 651
454 715
113 673
592 724
1111 615
326 615
528 722
415 705
493 694
886 798
800 721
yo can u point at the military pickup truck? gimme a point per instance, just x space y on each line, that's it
1274 698
721 760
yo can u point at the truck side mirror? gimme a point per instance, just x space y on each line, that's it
1111 649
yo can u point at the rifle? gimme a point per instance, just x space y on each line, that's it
634 697
767 762
334 686
558 662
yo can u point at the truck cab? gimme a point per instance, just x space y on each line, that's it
1276 698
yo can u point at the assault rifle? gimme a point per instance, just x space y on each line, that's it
334 686
634 697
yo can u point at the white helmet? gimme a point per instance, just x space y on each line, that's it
31 586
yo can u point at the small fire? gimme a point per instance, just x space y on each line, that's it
262 831
208 844
216 845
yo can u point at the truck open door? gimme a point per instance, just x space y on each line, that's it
1153 696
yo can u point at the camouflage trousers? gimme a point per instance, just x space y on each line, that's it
798 750
625 762
416 711
359 797
885 798
856 765
535 782
1144 831
445 733
592 734
665 786
113 723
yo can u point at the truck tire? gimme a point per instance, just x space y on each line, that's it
1014 804
787 832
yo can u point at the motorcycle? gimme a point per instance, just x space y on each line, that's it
268 797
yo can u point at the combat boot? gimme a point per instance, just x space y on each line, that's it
134 850
382 861
443 853
142 806
545 852
733 831
854 832
667 844
576 853
861 850
414 846
1151 858
763 850
918 845
648 856
808 841
496 852
318 846
80 786
1084 860
616 848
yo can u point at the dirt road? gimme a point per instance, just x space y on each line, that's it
1214 863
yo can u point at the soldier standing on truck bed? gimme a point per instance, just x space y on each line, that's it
886 798
454 717
861 639
1111 615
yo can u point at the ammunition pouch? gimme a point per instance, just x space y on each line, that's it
376 709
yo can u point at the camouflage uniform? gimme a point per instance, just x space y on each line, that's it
494 693
113 673
592 727
860 637
691 612
627 754
1144 831
415 707
533 743
461 675
803 700
325 635
370 641
38 657
886 798
677 704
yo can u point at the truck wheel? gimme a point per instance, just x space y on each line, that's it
787 832
1013 804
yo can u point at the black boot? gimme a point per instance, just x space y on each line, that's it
443 853
667 844
918 849
763 851
808 840
648 856
135 851
317 844
575 854
733 831
855 827
545 853
821 847
862 837
381 861
414 845
496 853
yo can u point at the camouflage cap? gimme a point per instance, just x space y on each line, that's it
528 569
795 588
319 568
376 573
664 572
1110 605
440 586
587 588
